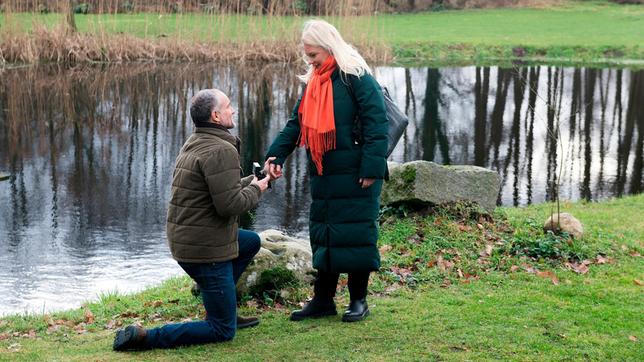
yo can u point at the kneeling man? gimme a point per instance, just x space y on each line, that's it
208 195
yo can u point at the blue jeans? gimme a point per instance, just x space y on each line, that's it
217 283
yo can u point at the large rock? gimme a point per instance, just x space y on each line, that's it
278 250
566 223
427 182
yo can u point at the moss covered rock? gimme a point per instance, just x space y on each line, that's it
428 182
278 252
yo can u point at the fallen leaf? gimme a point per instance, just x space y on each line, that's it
129 314
431 263
153 304
479 226
392 288
636 254
460 273
578 268
446 283
89 316
385 249
638 282
632 338
31 334
4 336
444 265
53 328
514 268
15 347
402 272
549 275
601 260
415 239
111 324
529 269
464 228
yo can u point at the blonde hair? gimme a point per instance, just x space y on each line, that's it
320 33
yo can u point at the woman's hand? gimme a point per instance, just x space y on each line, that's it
272 170
366 182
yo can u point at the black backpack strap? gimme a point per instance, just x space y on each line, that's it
356 131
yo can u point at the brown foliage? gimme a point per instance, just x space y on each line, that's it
61 46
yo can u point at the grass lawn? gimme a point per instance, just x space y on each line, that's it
587 30
505 304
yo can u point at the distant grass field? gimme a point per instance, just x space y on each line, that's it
578 24
578 31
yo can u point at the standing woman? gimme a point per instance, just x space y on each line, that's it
347 166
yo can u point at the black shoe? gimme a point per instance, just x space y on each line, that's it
246 322
357 311
130 338
315 309
195 290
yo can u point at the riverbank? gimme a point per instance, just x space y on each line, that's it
453 286
595 32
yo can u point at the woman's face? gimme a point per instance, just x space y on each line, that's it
315 55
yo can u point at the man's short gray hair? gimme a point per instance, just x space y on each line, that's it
204 103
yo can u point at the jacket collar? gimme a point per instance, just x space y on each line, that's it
218 131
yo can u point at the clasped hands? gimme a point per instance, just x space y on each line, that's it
275 171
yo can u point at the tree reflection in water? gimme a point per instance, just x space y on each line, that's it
91 151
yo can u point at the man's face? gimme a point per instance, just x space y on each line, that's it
224 116
315 55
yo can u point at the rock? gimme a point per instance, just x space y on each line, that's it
428 182
566 223
4 176
278 250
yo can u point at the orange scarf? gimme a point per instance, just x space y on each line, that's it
317 122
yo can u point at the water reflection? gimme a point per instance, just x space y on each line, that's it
91 154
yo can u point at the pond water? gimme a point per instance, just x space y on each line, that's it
91 152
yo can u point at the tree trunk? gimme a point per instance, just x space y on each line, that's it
71 20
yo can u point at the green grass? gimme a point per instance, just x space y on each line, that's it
489 311
588 31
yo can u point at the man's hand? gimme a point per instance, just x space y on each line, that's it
262 184
366 182
272 170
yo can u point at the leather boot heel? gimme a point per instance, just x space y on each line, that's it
357 311
315 309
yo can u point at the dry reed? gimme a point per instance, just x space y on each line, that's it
102 43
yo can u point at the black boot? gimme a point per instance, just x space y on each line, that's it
246 322
356 311
316 308
130 338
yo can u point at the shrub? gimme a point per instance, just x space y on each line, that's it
272 281
126 7
83 8
43 9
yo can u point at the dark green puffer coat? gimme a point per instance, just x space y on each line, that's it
342 221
